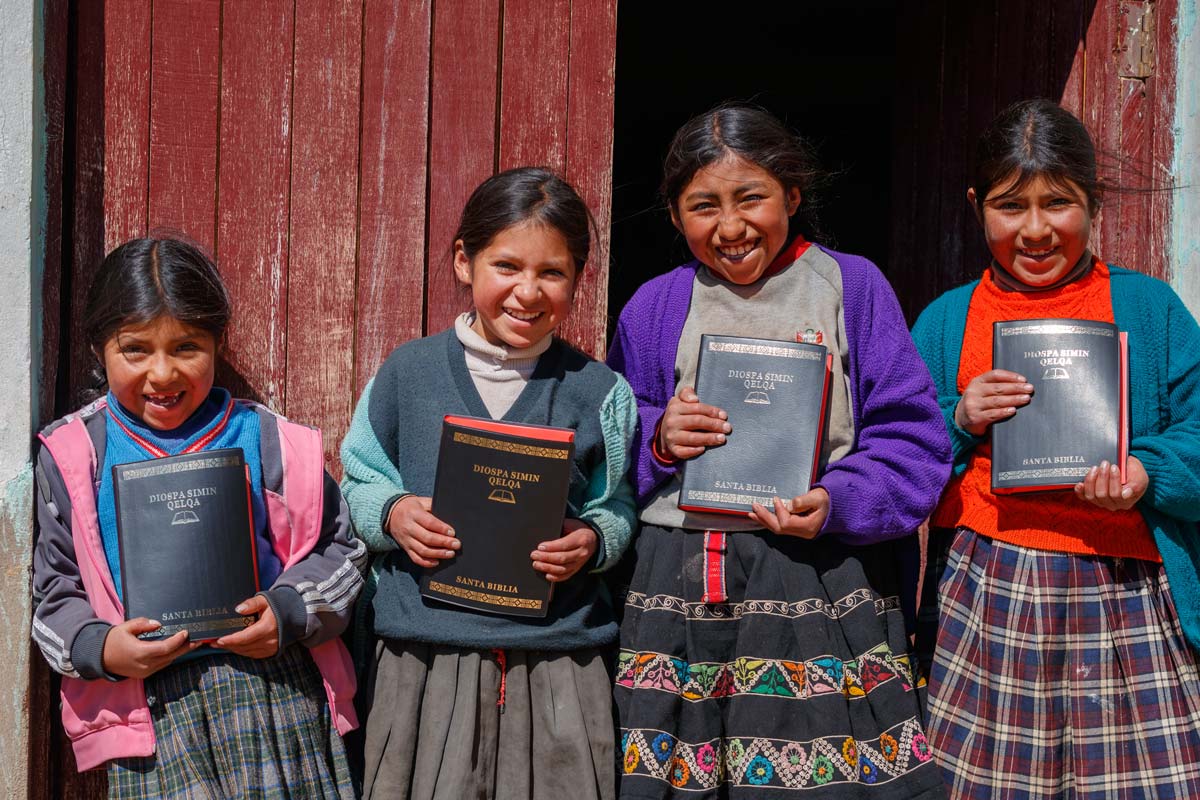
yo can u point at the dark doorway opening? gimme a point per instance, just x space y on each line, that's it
892 93
826 68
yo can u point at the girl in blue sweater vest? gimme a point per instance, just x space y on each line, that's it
466 703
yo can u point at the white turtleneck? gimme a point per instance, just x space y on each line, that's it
498 372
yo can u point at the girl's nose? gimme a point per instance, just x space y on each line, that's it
527 290
731 226
1035 224
162 370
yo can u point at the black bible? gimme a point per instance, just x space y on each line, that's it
775 394
186 537
1078 414
502 487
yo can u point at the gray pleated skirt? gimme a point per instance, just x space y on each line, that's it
449 723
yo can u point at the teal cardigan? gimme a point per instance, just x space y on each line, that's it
1164 375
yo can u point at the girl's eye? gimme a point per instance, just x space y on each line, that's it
504 266
703 206
752 198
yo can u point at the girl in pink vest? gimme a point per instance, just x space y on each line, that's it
257 713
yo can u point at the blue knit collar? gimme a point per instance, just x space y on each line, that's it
173 441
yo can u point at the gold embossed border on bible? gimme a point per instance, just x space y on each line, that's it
502 487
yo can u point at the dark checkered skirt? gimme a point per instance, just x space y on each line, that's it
1058 675
233 727
800 685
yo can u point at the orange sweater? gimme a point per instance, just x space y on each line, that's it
1057 521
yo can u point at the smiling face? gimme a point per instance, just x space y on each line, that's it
734 216
160 371
1039 232
521 283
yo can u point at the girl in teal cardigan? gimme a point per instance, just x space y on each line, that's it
1065 660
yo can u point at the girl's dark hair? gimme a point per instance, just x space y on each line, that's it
526 194
755 135
1035 138
148 278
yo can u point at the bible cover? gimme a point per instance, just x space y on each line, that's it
186 539
502 487
775 394
1078 414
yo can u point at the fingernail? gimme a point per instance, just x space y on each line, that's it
455 545
1115 470
541 547
1022 379
720 438
450 532
447 554
1027 388
241 609
722 415
1126 493
1104 465
727 427
1024 398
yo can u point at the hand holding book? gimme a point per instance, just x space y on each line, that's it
126 655
991 397
424 537
259 639
559 559
802 516
688 426
1102 486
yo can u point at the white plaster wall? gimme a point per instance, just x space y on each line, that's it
17 298
1185 211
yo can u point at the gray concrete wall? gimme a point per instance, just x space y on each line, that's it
1185 204
20 70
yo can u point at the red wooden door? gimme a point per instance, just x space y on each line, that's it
322 151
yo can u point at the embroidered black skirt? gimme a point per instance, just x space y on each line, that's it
800 683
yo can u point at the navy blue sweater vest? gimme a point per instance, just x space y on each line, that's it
417 385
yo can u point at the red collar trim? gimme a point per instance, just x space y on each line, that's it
196 446
788 255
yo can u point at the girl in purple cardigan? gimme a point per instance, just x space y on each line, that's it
771 651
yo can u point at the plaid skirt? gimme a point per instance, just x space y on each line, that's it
798 685
233 727
1058 675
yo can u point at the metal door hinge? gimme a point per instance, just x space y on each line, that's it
1137 35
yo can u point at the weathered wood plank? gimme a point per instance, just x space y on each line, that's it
1162 88
320 313
253 188
183 117
392 197
533 83
590 90
462 140
1101 115
126 125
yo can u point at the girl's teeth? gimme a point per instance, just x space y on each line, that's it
524 316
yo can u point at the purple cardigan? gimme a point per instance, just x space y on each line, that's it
891 480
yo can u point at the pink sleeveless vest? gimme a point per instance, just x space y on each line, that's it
107 720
